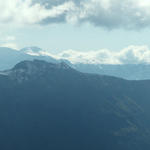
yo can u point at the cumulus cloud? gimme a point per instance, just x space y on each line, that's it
91 57
129 55
25 12
128 14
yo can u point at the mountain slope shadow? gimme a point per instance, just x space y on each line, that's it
52 106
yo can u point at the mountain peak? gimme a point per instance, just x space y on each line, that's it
27 65
36 68
31 50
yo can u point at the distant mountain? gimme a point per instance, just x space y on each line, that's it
52 106
10 57
126 71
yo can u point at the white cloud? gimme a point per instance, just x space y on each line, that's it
129 55
24 12
128 14
91 57
135 54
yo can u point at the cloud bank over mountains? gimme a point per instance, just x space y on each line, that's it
110 14
129 55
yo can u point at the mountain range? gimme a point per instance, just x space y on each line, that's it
47 106
10 57
126 71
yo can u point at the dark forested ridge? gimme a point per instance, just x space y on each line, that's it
54 107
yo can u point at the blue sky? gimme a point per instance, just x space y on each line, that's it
58 37
57 25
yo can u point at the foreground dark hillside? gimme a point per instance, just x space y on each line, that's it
52 106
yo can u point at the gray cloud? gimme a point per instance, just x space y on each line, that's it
49 20
49 4
110 14
128 14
